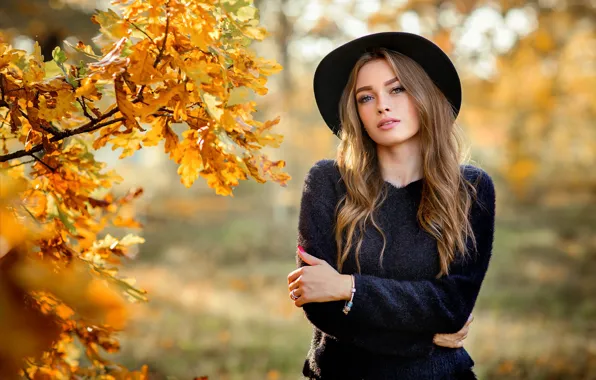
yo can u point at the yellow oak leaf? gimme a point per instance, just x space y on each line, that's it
35 69
151 105
171 145
268 67
255 32
112 64
156 133
141 68
191 162
126 107
111 24
129 142
58 107
212 104
88 89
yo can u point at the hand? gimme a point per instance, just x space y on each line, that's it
454 340
317 282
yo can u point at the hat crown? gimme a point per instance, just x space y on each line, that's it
332 73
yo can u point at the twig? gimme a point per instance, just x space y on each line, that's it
2 86
165 38
84 107
31 214
15 165
44 164
27 375
142 31
161 50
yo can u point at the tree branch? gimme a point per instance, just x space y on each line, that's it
165 38
89 127
53 170
84 107
161 49
51 129
15 165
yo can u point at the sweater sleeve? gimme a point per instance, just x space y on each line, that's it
439 305
316 235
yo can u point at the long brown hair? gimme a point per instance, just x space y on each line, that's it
446 194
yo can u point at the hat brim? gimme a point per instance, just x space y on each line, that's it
332 73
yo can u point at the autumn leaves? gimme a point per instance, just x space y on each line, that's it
169 71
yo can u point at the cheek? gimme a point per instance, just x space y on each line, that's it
367 115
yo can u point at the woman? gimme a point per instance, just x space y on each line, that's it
395 235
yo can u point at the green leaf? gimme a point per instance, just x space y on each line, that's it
82 69
59 56
246 13
232 6
52 69
65 220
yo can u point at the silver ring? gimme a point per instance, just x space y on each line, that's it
293 295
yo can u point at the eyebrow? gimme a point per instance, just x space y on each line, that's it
368 88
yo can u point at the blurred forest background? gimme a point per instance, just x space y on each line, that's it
215 267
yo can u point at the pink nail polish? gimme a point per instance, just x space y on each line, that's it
301 249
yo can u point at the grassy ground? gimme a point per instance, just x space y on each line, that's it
219 305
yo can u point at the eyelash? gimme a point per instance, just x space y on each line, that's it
361 100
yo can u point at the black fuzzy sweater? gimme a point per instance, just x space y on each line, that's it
398 307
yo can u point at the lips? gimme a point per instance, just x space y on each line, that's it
387 123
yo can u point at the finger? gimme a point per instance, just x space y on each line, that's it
458 335
294 275
470 320
296 292
445 343
308 258
301 301
296 284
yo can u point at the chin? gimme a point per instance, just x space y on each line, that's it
392 138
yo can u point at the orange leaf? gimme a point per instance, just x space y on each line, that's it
126 107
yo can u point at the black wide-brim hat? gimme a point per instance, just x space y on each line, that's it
332 73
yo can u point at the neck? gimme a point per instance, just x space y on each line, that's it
401 164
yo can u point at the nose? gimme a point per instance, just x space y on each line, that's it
383 109
382 106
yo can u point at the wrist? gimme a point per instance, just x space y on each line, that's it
346 287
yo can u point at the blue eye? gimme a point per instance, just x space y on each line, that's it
364 99
395 89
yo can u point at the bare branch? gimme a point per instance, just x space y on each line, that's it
15 165
142 31
53 170
84 107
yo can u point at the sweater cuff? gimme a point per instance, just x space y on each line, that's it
359 303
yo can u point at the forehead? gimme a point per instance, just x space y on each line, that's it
375 73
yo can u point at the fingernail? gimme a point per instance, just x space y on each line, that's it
301 249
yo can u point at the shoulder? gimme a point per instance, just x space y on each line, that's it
482 182
323 179
323 171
